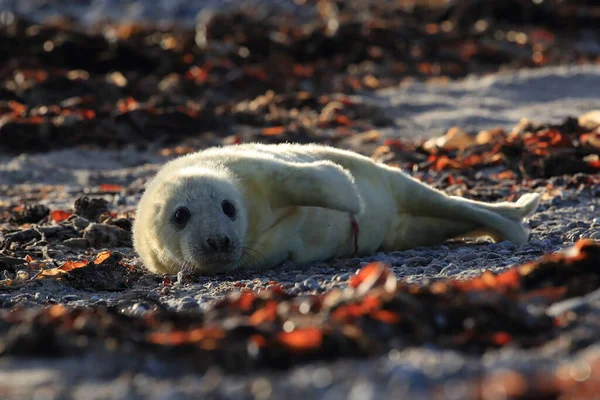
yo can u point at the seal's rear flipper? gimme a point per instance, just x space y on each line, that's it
501 221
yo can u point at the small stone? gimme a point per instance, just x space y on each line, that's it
101 235
188 299
561 307
493 256
468 256
556 200
77 243
450 269
187 303
80 223
507 244
572 225
71 297
534 223
311 284
342 277
543 244
139 308
595 235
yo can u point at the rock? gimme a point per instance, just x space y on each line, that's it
595 235
311 283
90 209
77 243
561 307
468 256
342 277
80 223
590 120
455 138
100 235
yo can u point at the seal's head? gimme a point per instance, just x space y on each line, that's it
191 218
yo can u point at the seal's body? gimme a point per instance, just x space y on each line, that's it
258 205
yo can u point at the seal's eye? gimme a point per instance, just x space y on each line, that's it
181 216
228 208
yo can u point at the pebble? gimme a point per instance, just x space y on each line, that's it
80 223
188 299
544 244
77 243
493 256
507 245
71 297
572 225
342 277
450 269
595 235
417 261
534 223
140 308
187 305
556 200
561 307
468 256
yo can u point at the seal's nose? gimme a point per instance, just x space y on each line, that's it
217 244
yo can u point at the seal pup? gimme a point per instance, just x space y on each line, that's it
257 205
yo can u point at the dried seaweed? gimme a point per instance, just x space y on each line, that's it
274 329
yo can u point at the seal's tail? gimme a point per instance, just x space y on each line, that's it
436 213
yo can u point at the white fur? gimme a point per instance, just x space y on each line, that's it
294 203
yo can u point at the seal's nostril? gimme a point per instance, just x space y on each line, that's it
226 242
213 244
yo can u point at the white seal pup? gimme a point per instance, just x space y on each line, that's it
257 205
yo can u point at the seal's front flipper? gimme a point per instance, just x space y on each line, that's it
316 184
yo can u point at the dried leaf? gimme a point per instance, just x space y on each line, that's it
267 313
179 337
71 265
388 317
301 339
60 215
342 120
501 338
373 275
455 138
107 187
273 131
102 256
127 104
18 109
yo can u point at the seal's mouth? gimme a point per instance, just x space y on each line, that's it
214 264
